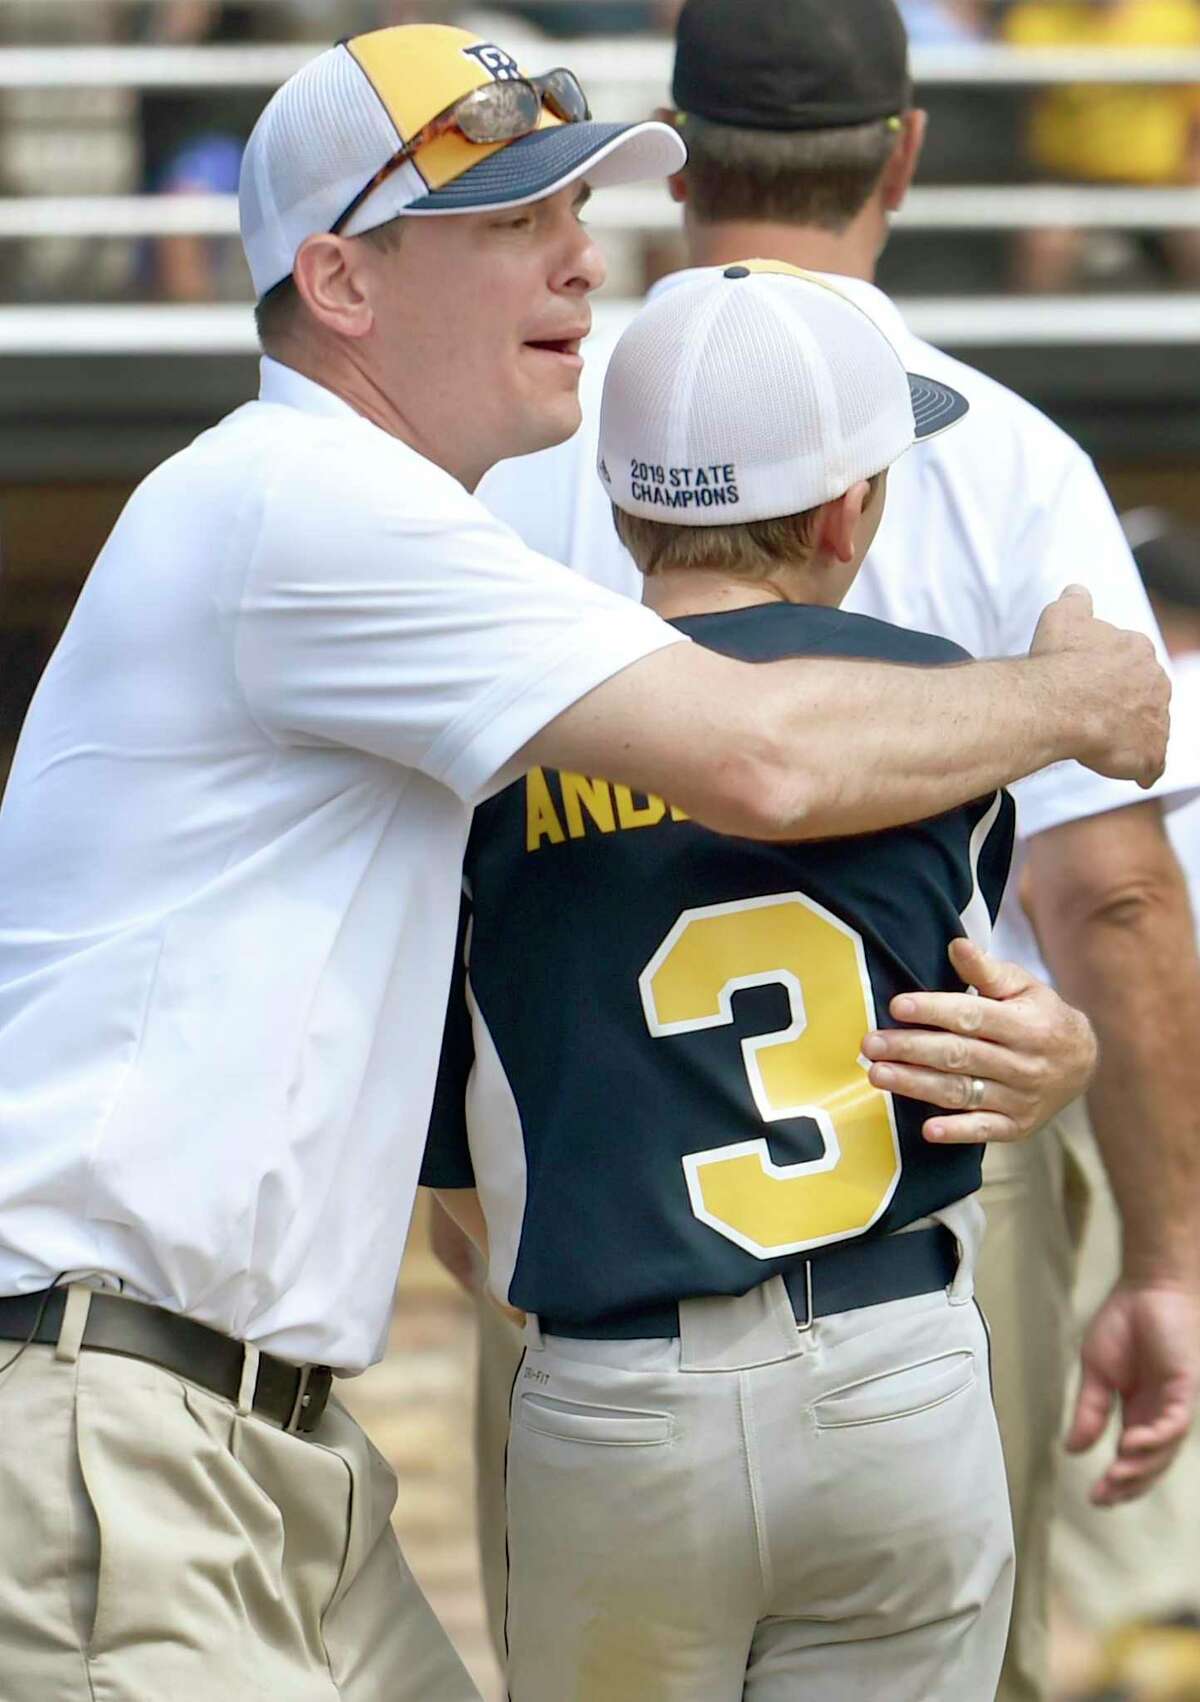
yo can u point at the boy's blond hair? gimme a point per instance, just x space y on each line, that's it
753 550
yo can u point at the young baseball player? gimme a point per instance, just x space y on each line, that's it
753 1451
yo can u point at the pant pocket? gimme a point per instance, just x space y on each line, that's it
193 1550
897 1394
578 1421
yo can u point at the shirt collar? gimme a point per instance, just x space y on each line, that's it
871 300
283 384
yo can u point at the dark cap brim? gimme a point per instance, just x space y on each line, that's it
537 165
935 406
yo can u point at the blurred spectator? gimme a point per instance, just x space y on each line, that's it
550 17
199 268
1119 133
942 23
596 17
192 142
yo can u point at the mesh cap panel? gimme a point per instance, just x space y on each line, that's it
322 136
741 397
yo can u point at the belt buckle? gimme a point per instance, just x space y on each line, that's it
301 1401
809 1320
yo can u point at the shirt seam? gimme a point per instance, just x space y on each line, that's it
458 738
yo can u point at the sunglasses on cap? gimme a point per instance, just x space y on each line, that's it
498 112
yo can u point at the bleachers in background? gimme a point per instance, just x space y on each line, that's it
99 376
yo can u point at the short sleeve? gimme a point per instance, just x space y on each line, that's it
990 828
447 1162
385 609
1070 535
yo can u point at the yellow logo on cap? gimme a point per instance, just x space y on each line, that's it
418 70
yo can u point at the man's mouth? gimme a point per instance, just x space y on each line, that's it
566 346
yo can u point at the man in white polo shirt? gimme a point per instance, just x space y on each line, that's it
803 142
230 854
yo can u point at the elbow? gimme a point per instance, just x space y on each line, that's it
1128 909
764 796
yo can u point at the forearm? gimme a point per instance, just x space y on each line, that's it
1132 967
890 745
817 746
462 1207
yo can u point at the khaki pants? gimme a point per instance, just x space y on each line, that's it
1140 1560
156 1545
1032 1197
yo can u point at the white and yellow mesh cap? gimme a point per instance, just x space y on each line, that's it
323 136
755 391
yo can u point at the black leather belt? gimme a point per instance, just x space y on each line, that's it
292 1396
838 1279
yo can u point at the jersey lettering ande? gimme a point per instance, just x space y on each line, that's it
652 1067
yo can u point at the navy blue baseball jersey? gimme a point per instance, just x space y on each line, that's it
652 1068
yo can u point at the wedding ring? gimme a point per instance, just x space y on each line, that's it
975 1096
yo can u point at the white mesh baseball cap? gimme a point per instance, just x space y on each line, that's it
756 391
325 134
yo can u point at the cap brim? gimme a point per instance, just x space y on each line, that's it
549 160
935 406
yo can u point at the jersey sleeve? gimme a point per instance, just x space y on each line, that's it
411 624
1070 534
447 1162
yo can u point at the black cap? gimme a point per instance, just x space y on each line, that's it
791 64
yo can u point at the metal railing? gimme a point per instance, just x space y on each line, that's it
644 208
993 322
638 63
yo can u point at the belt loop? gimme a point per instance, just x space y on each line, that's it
249 1383
965 1220
74 1322
735 1332
532 1331
301 1400
807 1322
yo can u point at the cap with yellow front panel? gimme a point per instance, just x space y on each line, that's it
326 133
756 390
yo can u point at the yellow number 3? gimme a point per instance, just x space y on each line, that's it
812 1068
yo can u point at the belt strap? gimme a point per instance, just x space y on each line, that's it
838 1279
292 1396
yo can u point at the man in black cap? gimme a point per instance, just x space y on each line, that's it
803 140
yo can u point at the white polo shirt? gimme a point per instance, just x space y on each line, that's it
983 527
230 855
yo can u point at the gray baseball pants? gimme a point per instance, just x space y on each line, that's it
754 1511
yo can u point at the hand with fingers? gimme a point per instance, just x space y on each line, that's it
1001 1060
1142 1349
1114 682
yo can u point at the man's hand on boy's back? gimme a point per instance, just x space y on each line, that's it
1002 1059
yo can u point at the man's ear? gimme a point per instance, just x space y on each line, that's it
677 182
837 526
901 168
329 275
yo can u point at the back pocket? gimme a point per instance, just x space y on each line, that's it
897 1394
611 1427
